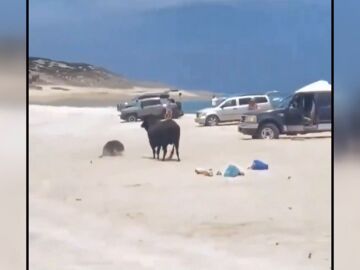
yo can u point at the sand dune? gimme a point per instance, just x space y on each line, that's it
133 212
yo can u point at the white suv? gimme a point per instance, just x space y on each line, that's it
231 109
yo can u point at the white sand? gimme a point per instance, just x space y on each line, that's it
68 90
132 212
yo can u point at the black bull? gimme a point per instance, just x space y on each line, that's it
161 134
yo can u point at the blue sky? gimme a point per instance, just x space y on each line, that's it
220 45
13 19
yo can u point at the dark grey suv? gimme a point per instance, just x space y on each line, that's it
150 106
308 110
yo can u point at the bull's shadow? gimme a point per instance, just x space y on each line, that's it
155 159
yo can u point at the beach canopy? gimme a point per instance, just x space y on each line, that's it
319 86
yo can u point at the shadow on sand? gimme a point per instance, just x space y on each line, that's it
133 122
166 159
219 125
294 138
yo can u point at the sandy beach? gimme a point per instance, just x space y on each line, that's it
133 212
66 95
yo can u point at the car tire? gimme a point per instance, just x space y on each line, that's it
212 120
131 118
268 131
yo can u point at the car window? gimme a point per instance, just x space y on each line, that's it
303 101
297 102
261 100
282 102
150 102
324 100
244 101
229 103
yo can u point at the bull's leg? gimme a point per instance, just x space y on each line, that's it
177 150
153 149
164 151
158 152
172 152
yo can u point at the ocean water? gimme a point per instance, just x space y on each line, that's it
195 105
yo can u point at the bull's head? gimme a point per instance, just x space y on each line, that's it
148 121
145 124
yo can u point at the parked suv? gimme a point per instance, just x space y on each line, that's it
230 109
307 110
134 101
150 106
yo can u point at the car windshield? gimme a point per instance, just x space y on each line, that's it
282 102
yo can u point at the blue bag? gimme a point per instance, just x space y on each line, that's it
232 171
259 165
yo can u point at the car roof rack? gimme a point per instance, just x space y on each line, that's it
154 95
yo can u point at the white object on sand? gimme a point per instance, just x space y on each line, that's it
205 172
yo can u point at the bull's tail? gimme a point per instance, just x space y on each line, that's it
172 152
176 145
